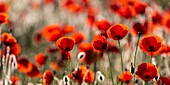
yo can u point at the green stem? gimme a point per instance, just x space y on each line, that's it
151 58
146 83
110 64
121 57
136 53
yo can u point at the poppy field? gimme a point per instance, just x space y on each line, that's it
84 42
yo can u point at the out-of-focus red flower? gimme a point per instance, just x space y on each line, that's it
139 7
52 32
47 77
147 71
117 31
156 18
102 24
166 20
49 1
54 66
15 49
114 7
40 59
67 29
3 18
88 49
150 43
37 38
126 12
112 47
65 43
139 28
14 80
91 16
8 39
51 49
99 42
78 36
126 77
24 65
163 81
82 72
71 6
35 73
3 7
66 55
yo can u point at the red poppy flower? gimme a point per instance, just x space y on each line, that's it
3 7
78 36
49 1
138 27
14 80
99 42
140 7
37 38
150 43
112 47
114 7
47 77
91 16
65 43
117 31
163 81
3 18
40 59
67 29
126 77
54 66
52 32
164 49
88 49
24 65
51 49
102 24
156 18
166 20
71 6
8 39
15 49
147 71
35 73
66 55
125 12
83 72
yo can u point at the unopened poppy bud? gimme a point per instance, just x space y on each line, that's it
100 76
66 83
81 55
139 33
136 81
66 79
132 69
157 78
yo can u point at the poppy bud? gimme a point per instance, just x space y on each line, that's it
132 69
157 78
81 55
100 76
66 79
